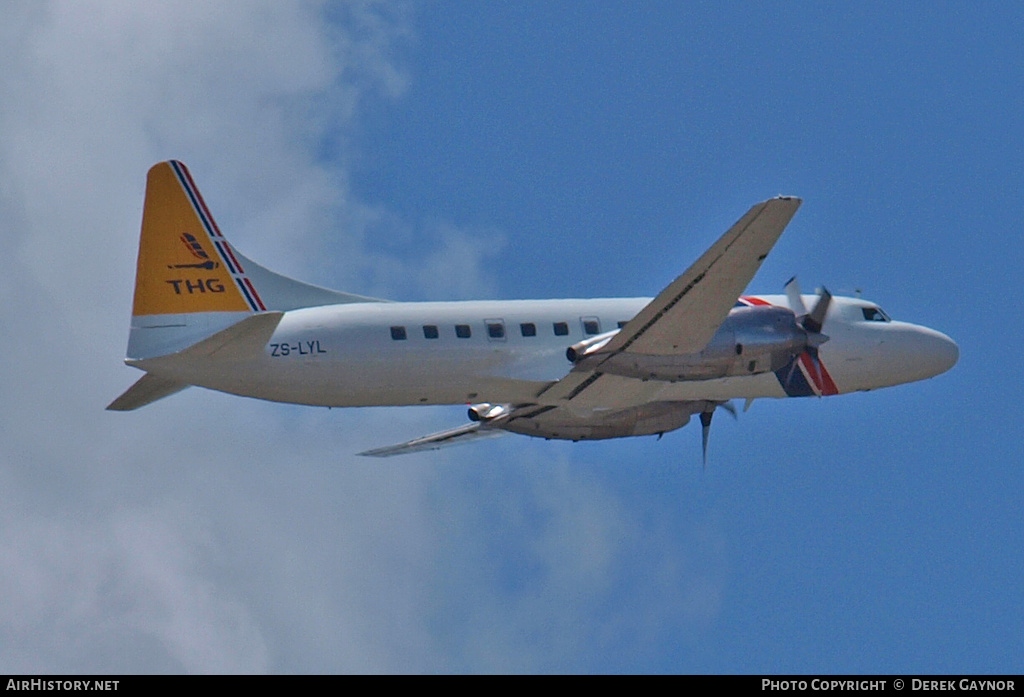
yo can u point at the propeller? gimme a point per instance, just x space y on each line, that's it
705 423
811 322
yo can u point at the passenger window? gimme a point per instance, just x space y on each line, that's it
495 329
430 331
591 325
528 329
463 331
561 328
398 333
875 314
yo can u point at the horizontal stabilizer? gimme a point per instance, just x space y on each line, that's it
436 441
239 341
149 388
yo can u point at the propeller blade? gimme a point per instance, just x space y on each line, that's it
796 302
792 370
815 364
705 430
813 322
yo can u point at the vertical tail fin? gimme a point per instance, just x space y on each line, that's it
189 282
185 264
194 294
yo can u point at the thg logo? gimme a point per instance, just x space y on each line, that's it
201 285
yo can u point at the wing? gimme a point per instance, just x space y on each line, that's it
435 441
683 317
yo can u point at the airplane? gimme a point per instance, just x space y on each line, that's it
576 369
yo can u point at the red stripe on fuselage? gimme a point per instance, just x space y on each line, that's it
819 376
828 385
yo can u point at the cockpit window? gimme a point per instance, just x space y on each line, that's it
875 314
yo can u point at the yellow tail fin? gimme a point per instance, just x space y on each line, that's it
185 264
190 283
196 298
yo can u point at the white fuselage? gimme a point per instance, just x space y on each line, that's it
204 314
505 352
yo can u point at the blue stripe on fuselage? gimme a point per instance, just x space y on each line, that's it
793 380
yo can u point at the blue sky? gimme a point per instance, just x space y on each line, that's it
463 150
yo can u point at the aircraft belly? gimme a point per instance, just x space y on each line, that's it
620 392
763 385
361 380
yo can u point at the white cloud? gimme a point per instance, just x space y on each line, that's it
587 582
122 543
207 533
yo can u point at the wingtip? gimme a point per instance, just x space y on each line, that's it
793 202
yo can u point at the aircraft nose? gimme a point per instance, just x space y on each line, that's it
937 352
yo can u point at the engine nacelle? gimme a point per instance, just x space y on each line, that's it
643 420
751 340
